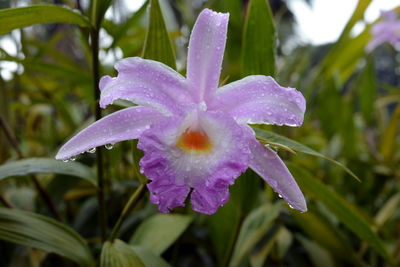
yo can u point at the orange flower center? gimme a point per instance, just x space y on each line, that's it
194 141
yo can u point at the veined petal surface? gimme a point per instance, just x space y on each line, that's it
259 99
206 51
267 164
148 83
122 125
209 172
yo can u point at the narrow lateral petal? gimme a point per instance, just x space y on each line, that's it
258 99
206 51
122 125
266 163
147 83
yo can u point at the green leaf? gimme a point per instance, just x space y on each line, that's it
357 15
387 211
254 227
158 46
34 230
160 231
244 193
46 165
367 91
259 40
318 255
223 226
342 209
14 18
130 22
323 232
119 254
388 139
149 258
259 257
270 137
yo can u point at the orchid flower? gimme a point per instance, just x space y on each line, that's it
195 136
387 30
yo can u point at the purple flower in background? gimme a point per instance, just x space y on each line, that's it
194 134
387 30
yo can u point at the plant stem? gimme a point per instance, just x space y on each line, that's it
139 193
42 192
99 152
10 136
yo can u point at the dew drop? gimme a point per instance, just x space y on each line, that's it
109 146
290 206
72 158
279 195
92 150
65 160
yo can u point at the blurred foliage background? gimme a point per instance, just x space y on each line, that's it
352 117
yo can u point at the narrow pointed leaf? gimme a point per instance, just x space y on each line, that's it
14 18
160 231
323 232
342 209
259 40
387 211
254 228
149 258
158 46
119 254
388 139
273 138
37 231
367 91
130 22
46 165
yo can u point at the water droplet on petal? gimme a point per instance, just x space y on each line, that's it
72 158
65 160
279 195
92 150
290 206
109 146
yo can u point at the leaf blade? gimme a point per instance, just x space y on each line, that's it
46 165
159 231
14 18
158 45
270 137
340 208
34 230
258 52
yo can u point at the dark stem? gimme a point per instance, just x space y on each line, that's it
234 240
10 137
42 192
139 193
99 152
6 203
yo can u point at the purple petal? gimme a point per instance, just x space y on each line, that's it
167 195
266 163
206 51
209 173
147 83
122 125
386 30
259 99
207 199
